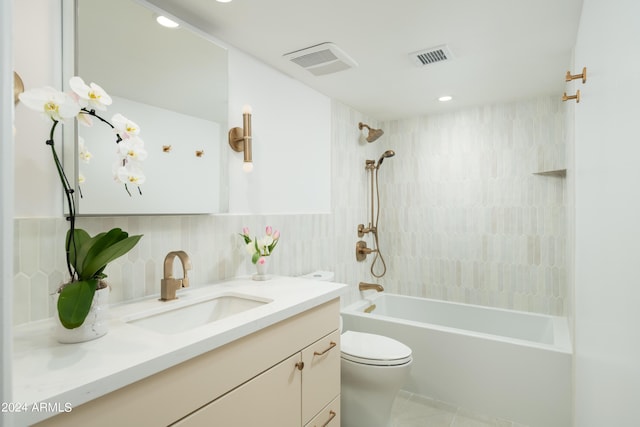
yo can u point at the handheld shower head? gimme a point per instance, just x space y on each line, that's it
388 153
373 133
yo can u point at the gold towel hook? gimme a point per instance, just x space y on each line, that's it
566 97
166 148
570 76
199 153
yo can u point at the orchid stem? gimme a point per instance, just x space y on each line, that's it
68 192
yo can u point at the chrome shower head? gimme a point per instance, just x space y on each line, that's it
373 133
388 153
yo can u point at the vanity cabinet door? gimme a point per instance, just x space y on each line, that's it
272 399
321 375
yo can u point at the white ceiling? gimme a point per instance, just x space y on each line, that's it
503 49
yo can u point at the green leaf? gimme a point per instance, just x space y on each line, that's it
76 255
255 257
74 302
109 247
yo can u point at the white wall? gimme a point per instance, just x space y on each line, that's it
291 141
607 179
37 51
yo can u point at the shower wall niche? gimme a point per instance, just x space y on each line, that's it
466 217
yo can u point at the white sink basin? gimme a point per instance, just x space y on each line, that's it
181 316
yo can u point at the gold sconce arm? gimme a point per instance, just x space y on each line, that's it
240 139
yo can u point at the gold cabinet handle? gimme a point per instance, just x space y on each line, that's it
300 366
331 345
332 415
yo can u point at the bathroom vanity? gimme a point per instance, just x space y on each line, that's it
276 364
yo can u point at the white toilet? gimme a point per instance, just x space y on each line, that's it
374 368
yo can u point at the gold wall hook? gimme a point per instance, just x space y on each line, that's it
199 153
570 76
166 148
566 97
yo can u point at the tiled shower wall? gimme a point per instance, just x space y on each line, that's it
462 218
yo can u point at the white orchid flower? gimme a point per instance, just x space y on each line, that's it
90 95
129 174
52 103
132 149
81 178
83 153
124 127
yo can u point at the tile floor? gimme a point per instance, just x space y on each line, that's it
412 410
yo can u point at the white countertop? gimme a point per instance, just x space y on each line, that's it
72 374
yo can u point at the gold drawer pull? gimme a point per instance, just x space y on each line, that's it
332 416
300 366
331 345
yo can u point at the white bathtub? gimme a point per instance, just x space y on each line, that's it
511 364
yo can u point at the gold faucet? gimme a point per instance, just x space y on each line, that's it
169 285
366 286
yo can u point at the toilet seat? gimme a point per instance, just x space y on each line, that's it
371 349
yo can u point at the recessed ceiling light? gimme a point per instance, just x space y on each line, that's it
166 22
223 1
445 98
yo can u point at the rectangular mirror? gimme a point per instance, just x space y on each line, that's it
173 84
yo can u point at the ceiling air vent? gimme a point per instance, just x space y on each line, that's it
431 56
321 59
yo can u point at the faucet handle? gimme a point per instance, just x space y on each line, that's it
168 288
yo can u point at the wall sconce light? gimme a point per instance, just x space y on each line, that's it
240 138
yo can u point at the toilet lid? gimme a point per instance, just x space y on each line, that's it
373 349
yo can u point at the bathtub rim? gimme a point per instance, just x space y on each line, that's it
562 339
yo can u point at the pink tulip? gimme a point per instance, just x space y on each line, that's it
245 231
269 230
262 260
276 235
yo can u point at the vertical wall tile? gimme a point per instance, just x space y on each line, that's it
462 218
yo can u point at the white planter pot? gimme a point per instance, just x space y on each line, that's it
95 325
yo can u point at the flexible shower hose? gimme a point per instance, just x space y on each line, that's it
375 237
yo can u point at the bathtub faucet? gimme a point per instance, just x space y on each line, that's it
366 286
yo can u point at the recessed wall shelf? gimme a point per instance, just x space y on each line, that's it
561 173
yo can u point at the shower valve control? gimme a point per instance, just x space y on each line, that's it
362 250
362 230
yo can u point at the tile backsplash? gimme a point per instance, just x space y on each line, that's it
463 218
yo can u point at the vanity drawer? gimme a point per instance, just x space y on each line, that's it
328 417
